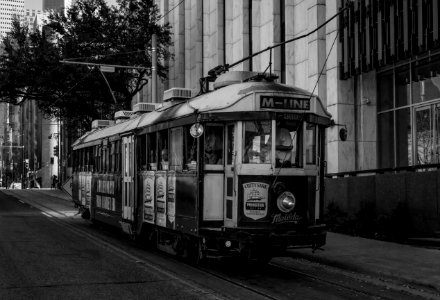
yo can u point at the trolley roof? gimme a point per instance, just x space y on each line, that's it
252 96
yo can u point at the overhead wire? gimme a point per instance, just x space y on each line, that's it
228 66
104 55
170 10
70 89
303 115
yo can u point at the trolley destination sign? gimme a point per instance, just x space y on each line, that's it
279 102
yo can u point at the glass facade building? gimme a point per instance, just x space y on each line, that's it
409 114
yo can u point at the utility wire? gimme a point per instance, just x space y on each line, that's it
303 115
106 55
170 10
227 67
68 91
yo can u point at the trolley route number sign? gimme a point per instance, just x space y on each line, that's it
279 102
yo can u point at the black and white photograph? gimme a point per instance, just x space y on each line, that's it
219 149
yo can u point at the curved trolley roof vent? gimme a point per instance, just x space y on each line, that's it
144 107
232 77
177 94
122 115
97 124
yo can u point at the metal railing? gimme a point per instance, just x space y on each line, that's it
417 168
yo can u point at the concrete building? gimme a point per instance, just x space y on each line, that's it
8 10
40 138
11 151
375 66
30 18
30 133
212 33
11 145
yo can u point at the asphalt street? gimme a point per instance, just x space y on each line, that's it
48 252
43 259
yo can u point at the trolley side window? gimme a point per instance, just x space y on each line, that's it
230 144
152 151
213 145
142 150
105 156
89 159
257 142
176 148
82 160
111 162
75 163
190 148
118 156
98 161
310 140
288 144
163 149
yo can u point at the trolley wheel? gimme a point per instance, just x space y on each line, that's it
147 238
196 253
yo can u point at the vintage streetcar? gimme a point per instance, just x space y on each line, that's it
237 171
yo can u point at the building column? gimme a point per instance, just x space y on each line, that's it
237 32
193 43
213 35
340 96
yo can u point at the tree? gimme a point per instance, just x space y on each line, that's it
89 31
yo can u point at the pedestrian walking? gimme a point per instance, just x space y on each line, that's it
54 182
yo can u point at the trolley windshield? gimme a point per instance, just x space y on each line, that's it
286 143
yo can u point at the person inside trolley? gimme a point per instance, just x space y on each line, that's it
213 146
164 158
284 147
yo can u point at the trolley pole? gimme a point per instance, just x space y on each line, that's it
154 68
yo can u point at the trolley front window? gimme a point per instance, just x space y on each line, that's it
190 148
257 142
310 140
213 144
288 144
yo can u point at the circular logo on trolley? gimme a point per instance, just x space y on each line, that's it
255 196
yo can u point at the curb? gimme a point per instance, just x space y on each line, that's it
386 277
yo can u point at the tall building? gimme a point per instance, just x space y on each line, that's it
39 136
376 67
11 148
30 18
53 4
8 10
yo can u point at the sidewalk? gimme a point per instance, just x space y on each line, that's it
403 264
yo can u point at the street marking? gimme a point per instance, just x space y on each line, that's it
69 213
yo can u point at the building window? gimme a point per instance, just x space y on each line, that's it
409 114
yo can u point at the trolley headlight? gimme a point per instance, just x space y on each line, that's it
286 202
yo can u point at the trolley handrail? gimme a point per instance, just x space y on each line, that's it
383 171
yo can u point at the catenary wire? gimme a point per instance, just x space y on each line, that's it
303 115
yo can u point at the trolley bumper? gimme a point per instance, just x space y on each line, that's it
254 243
312 236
